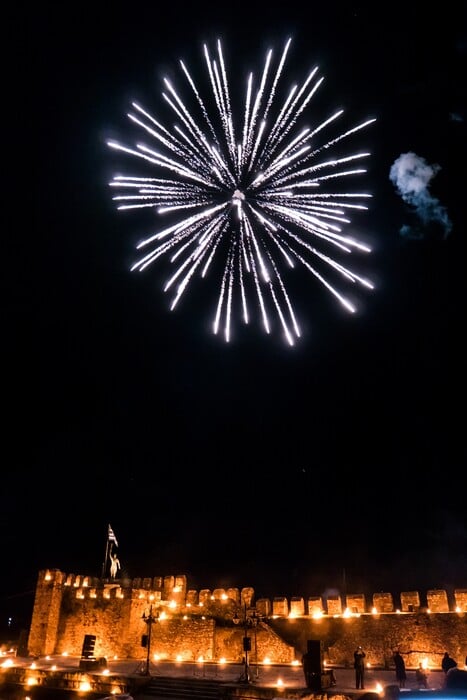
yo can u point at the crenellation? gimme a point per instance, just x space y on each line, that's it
315 605
280 607
383 602
355 603
410 601
246 596
204 596
218 594
192 597
168 586
437 601
233 594
297 606
263 607
460 599
334 605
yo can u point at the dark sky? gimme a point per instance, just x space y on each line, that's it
252 462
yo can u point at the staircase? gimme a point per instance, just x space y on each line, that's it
185 688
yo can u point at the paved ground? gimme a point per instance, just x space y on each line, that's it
281 676
286 676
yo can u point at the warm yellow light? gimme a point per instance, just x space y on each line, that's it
316 615
105 672
428 611
188 605
266 660
425 663
347 612
172 604
458 609
179 657
151 596
185 617
296 662
379 688
85 685
280 683
292 615
7 663
163 616
398 611
224 596
65 653
222 660
374 611
32 681
33 665
47 658
212 597
156 657
47 577
176 589
115 657
54 667
200 659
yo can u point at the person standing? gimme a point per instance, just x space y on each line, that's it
115 565
359 666
399 663
447 662
421 676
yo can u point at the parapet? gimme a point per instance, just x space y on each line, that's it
174 589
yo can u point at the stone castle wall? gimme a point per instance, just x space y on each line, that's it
192 624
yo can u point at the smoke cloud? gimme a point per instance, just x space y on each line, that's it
411 175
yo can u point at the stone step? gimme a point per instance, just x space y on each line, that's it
183 688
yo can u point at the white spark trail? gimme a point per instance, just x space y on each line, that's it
248 197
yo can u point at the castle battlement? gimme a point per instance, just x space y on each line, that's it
190 623
173 590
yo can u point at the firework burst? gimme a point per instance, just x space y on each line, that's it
251 190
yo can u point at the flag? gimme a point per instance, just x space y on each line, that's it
111 536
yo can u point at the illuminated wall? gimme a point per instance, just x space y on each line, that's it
194 624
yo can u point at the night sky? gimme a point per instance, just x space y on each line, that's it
338 462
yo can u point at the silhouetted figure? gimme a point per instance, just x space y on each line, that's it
447 662
456 679
421 677
359 666
399 663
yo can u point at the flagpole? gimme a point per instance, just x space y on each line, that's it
104 565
